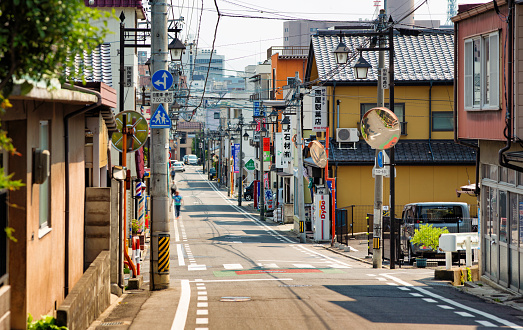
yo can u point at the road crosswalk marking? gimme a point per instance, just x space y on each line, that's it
232 266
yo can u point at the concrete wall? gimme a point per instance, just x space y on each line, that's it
90 296
5 315
97 223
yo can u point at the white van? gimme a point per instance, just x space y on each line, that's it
192 160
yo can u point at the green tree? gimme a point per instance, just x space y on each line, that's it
428 236
39 39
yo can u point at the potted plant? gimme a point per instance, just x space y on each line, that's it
427 236
135 227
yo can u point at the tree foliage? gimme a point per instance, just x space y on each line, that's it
40 38
428 236
38 41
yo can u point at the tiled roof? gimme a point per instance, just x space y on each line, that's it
407 152
427 56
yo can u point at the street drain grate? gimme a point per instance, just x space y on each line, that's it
108 324
235 299
294 285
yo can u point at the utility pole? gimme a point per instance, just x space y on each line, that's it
378 179
159 155
299 142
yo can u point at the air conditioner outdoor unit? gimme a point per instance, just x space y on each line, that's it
347 135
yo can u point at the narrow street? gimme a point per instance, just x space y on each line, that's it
228 270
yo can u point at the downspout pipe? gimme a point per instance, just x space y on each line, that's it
67 183
510 72
455 113
430 121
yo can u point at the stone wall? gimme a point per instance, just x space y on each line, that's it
90 296
97 222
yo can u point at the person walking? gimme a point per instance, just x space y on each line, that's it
178 200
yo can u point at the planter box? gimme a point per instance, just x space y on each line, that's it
421 262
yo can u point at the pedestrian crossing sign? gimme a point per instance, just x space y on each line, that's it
160 118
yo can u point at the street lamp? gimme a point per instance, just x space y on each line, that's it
342 53
362 68
286 123
176 48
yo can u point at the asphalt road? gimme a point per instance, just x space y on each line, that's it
236 272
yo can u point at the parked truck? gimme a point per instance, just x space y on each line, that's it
454 216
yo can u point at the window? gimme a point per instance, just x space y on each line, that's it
44 187
399 111
482 72
442 121
286 30
216 115
286 38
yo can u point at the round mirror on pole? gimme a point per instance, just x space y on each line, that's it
380 128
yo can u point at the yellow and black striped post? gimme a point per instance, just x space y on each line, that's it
302 226
163 253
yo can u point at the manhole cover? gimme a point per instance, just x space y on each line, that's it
235 299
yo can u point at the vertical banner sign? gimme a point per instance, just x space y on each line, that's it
236 156
266 150
256 108
266 180
278 149
319 111
287 146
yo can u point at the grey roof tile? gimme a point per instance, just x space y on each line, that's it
428 56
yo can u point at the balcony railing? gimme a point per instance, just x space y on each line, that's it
288 51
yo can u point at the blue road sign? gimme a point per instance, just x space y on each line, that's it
256 108
380 159
160 118
162 80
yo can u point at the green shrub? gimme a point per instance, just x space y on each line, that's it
46 323
428 236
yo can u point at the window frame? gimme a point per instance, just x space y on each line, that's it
489 72
450 129
44 224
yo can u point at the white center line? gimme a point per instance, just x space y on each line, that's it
181 261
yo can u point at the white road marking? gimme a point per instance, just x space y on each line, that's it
269 266
338 266
464 314
487 324
232 266
250 280
414 294
197 267
445 307
237 242
430 300
202 312
371 274
202 298
202 320
176 232
322 255
202 293
303 266
456 304
181 261
200 284
392 284
403 288
202 305
183 306
381 279
201 328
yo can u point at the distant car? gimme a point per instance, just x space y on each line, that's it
248 193
178 166
212 173
185 159
192 160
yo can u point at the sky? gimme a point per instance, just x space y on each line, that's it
244 40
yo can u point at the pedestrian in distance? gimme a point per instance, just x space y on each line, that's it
173 174
178 201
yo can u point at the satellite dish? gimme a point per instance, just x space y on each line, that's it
380 128
318 154
136 126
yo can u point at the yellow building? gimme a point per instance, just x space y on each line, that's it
430 166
